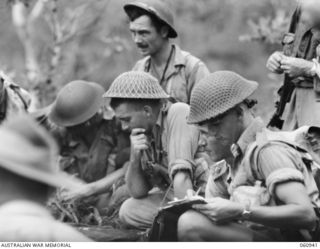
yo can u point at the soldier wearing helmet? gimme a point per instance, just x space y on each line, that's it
152 26
89 144
28 176
164 159
260 189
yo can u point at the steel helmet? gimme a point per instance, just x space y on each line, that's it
217 93
157 8
76 103
136 85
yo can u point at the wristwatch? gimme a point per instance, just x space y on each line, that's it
246 214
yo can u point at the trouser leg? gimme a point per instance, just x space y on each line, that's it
140 213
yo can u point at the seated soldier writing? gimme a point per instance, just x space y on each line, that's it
280 200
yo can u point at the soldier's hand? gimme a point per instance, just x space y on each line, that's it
139 141
316 68
75 194
274 62
220 210
296 67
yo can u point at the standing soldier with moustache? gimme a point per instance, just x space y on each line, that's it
152 27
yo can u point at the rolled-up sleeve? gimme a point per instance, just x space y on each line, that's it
182 140
280 164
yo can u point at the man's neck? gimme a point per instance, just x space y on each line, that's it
161 57
247 121
156 113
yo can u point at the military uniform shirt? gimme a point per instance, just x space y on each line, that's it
276 163
183 73
89 163
175 144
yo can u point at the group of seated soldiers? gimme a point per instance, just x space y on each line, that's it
169 130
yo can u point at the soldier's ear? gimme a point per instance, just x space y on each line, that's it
147 110
164 31
240 109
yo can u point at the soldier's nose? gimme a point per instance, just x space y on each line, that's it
124 126
202 141
137 39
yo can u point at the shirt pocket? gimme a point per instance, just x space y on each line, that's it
177 87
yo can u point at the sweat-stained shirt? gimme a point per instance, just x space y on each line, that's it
272 164
183 73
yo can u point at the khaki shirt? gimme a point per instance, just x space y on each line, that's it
89 163
183 73
274 163
28 221
174 144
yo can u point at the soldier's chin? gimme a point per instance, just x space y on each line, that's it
216 157
144 51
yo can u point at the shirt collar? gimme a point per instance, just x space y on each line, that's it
178 58
247 137
163 112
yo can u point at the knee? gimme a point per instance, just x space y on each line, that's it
124 212
188 228
132 215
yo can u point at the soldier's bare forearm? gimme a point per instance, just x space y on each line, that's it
104 184
136 181
181 183
296 212
308 68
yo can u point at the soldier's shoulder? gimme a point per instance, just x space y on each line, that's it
179 107
178 111
191 59
140 64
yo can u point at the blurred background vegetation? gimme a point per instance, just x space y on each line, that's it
90 40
